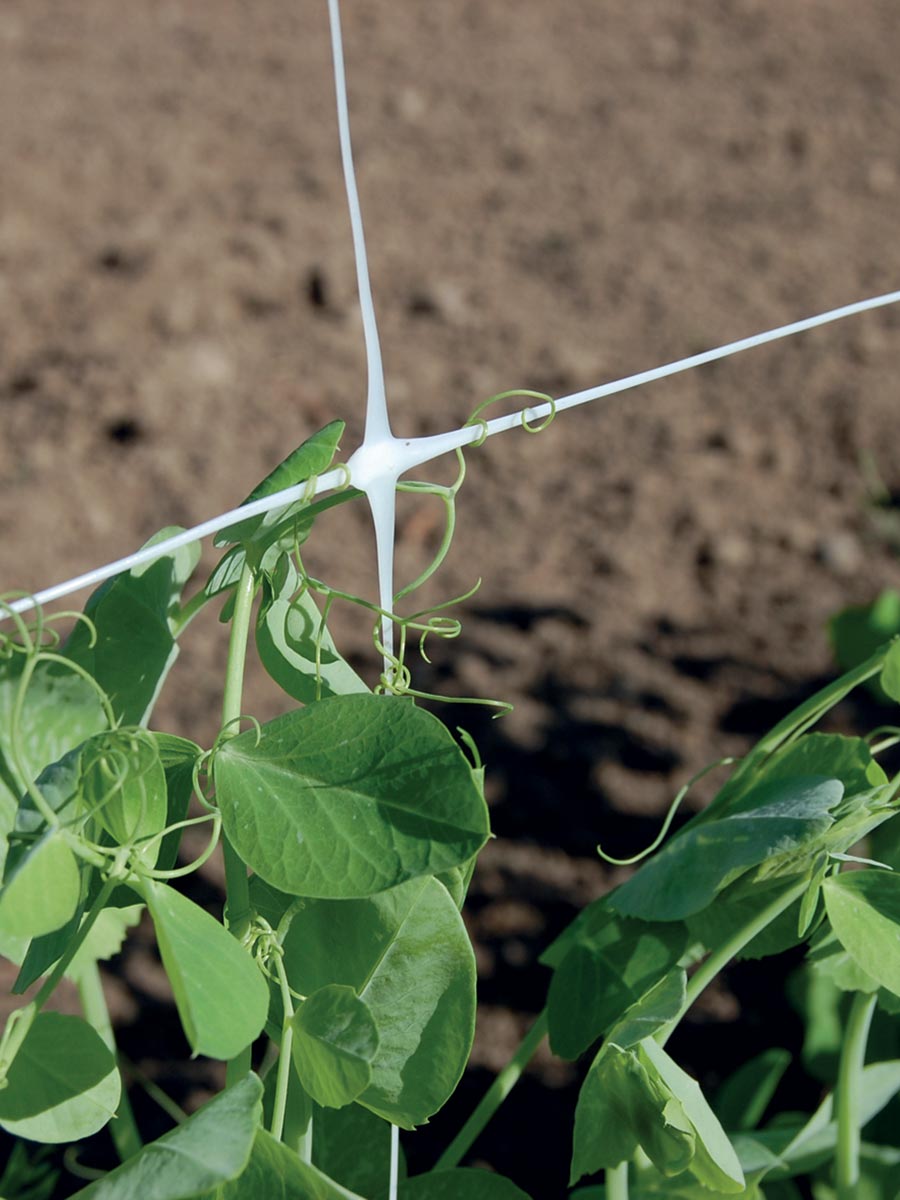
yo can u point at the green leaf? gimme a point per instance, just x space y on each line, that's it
457 879
335 1041
367 1169
621 1106
312 458
588 923
793 1150
134 647
605 973
60 710
774 819
296 648
829 958
864 910
661 1004
743 1098
737 906
43 889
124 787
275 1173
857 632
715 1162
30 1173
221 996
63 1083
405 952
458 1183
823 755
349 797
105 937
210 1148
227 572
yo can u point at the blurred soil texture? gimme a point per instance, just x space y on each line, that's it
554 195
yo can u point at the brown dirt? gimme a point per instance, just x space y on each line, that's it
554 195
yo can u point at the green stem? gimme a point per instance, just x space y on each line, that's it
722 955
283 1075
847 1095
495 1095
810 711
616 1181
49 985
123 1126
237 887
154 1091
236 883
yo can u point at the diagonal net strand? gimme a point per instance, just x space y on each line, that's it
413 452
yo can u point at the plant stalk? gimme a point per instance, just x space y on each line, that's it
616 1181
848 1093
123 1127
283 1071
49 985
722 955
495 1095
237 888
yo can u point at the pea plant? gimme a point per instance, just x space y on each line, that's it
340 987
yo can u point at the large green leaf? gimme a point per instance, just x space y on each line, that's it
604 973
296 648
367 1169
134 647
313 457
210 1148
275 1173
864 910
774 819
406 954
349 797
462 1183
335 1042
220 993
63 1083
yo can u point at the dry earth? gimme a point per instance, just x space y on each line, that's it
555 195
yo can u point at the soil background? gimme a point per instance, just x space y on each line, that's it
554 195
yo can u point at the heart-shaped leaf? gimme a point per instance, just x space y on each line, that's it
349 797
